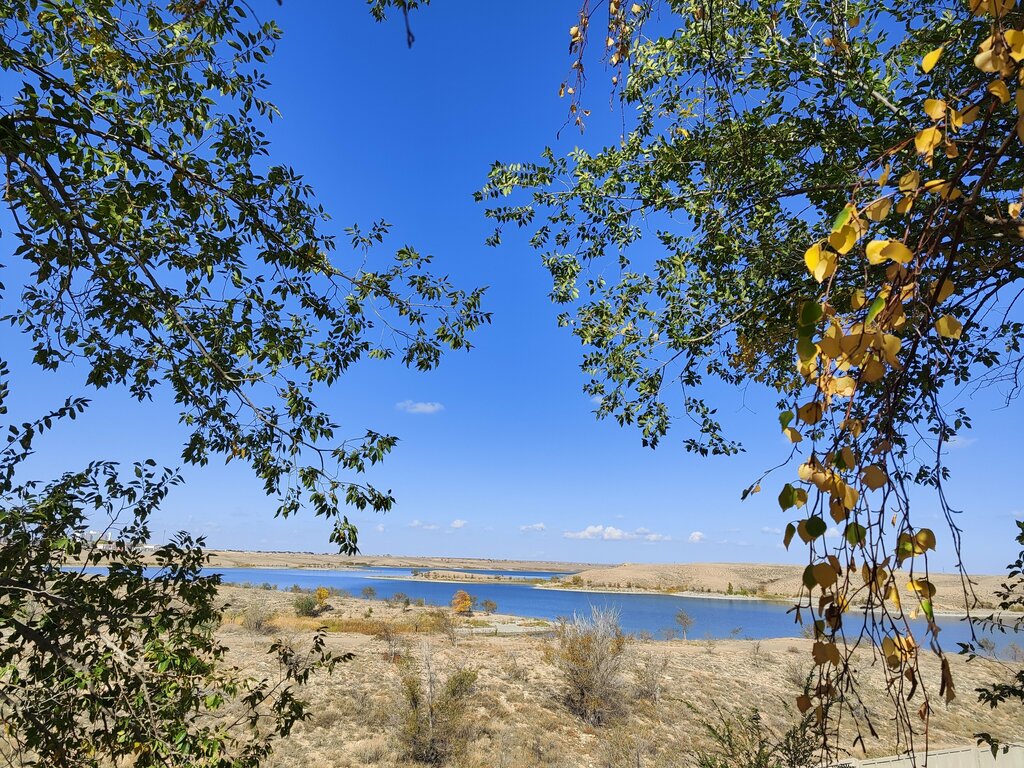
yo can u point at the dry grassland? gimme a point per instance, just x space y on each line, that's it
516 715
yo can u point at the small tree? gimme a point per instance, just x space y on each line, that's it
321 595
684 620
434 726
489 606
590 655
369 593
462 602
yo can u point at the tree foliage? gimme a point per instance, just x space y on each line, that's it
462 602
155 246
166 249
121 664
834 194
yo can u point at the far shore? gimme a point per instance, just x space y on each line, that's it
714 581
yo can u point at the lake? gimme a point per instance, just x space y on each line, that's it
715 618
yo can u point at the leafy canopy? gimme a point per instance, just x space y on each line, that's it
156 244
834 194
167 249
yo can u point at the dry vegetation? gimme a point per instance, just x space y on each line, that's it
510 699
749 579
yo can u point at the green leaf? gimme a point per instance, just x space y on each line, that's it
790 532
787 497
876 306
816 527
856 534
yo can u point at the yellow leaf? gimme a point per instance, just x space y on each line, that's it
890 346
636 8
945 290
935 108
874 477
922 587
951 149
792 435
884 177
927 140
824 575
879 209
998 89
909 181
853 426
843 239
879 251
904 205
931 59
843 386
846 454
925 539
1015 39
872 370
944 189
949 327
1013 210
893 594
812 256
810 413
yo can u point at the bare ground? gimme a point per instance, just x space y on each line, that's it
517 717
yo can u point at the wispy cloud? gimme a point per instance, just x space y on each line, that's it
960 441
457 524
414 406
380 528
696 537
611 533
533 527
423 526
773 531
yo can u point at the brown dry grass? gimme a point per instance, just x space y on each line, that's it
517 716
764 580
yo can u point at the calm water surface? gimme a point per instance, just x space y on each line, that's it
715 618
712 618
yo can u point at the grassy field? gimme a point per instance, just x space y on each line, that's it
514 713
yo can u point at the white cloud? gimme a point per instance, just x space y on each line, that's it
773 531
458 523
597 400
833 532
413 406
960 441
611 533
423 526
533 527
696 537
590 532
380 527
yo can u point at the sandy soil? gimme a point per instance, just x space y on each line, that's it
698 579
517 717
763 580
227 558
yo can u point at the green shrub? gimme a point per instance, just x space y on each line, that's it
257 619
306 605
434 726
748 741
590 654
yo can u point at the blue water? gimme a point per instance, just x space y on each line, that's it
756 619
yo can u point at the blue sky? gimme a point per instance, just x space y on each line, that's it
500 455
